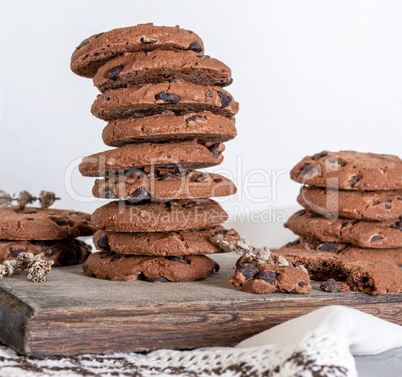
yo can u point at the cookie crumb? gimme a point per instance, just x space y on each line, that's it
333 286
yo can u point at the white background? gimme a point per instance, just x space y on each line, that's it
309 76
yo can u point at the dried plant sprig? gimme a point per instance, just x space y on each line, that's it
260 255
45 198
35 267
243 247
38 270
25 198
7 268
5 199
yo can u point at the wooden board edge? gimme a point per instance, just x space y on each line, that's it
278 299
15 314
176 328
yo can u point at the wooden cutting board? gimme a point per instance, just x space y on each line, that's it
72 314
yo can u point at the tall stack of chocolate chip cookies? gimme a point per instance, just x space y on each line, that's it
167 115
353 205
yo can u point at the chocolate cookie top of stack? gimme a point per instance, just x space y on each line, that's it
43 224
96 50
349 170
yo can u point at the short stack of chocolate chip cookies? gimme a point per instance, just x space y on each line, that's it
353 205
50 233
167 115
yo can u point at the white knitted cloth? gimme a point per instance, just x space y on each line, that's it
314 357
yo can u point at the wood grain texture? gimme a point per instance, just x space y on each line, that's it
72 314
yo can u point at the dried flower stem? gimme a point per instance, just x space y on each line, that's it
46 199
259 255
35 267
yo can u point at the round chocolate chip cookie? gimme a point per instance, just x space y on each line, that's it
366 205
168 126
159 216
149 99
43 224
349 170
161 66
181 154
163 184
185 242
96 50
348 251
61 252
366 234
113 266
